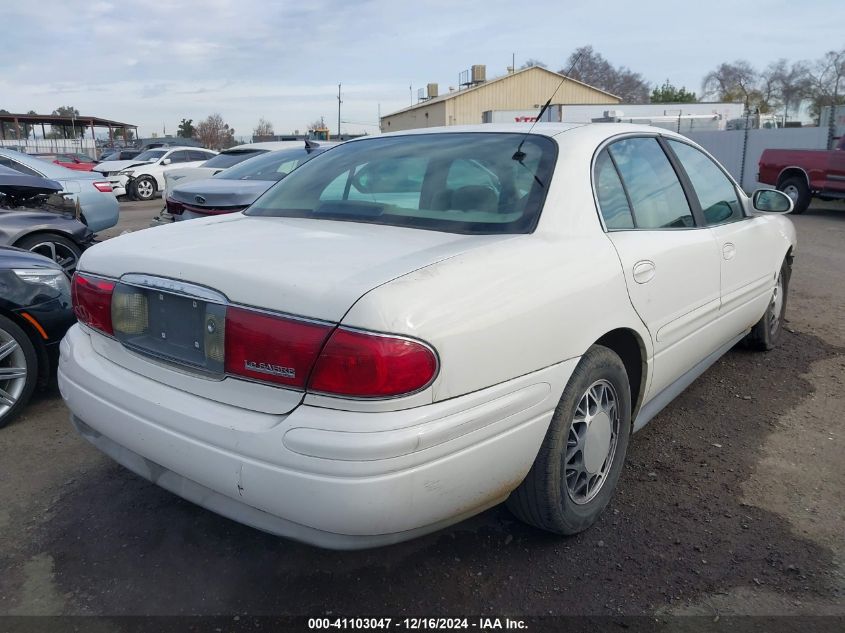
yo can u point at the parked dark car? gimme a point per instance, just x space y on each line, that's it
35 217
35 313
236 188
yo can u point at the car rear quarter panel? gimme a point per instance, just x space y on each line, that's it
505 310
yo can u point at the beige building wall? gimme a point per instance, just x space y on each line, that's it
522 90
425 116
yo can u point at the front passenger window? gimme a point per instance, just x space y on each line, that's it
714 189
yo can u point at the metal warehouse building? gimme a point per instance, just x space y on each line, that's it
519 90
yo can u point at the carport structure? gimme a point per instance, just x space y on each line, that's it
10 122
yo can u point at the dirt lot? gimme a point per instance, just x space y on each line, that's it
731 502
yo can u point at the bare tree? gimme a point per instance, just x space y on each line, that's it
214 133
317 124
787 84
593 69
737 81
264 128
827 83
531 62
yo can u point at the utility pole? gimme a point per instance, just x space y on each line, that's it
338 111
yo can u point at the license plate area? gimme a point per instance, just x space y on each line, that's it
184 330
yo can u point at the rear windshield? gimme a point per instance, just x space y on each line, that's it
454 182
227 159
271 166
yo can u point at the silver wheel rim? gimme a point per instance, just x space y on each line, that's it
792 192
145 189
13 372
776 305
63 255
591 442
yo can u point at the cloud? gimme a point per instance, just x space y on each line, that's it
146 62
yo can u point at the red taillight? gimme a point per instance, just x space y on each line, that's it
92 301
105 187
174 207
364 365
272 348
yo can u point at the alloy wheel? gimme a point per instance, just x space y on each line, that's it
144 188
59 253
776 305
591 442
13 371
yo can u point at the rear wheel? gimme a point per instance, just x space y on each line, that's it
576 470
145 188
798 191
766 333
18 370
56 247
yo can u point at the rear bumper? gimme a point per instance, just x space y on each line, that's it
309 475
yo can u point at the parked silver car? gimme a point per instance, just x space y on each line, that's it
98 204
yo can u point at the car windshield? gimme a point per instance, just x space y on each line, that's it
151 154
271 166
232 157
454 182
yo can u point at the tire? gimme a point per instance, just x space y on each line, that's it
766 333
551 497
60 249
18 370
145 188
797 189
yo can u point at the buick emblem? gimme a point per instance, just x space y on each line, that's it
199 199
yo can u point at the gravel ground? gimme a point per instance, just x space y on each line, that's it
731 502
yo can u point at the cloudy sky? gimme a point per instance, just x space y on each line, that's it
154 62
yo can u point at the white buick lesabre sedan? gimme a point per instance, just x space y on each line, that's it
414 327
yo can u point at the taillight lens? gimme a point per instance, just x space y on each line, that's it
272 348
105 187
174 207
92 301
364 365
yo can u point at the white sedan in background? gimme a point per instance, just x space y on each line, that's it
143 176
413 327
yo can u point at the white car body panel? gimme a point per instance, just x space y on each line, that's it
508 315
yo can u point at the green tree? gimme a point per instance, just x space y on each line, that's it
668 93
60 131
186 129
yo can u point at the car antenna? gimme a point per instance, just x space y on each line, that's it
309 144
519 155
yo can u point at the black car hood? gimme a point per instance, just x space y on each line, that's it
11 257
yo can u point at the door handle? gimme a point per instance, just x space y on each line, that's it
728 250
644 271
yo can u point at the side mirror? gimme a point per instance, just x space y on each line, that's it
166 161
771 201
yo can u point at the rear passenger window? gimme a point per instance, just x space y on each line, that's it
652 185
613 202
714 189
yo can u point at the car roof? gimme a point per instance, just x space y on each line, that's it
276 145
579 131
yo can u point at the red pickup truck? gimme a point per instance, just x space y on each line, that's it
804 173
